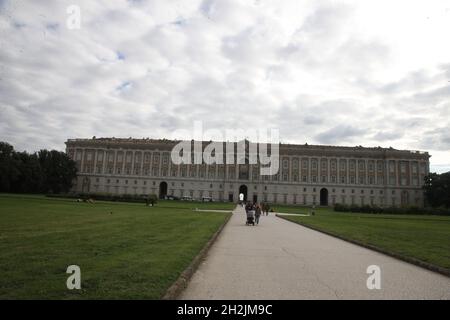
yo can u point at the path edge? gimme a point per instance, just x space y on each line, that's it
174 291
414 261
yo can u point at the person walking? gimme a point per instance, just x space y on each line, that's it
266 208
257 213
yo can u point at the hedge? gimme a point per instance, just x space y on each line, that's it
391 210
106 197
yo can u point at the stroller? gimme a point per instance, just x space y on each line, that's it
250 218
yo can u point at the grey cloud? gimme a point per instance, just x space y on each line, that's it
387 135
339 134
437 139
230 64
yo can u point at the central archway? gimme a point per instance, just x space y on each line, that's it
243 190
324 197
162 190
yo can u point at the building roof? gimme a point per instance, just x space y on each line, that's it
285 149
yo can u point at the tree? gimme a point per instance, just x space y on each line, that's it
8 168
29 177
58 171
46 171
437 189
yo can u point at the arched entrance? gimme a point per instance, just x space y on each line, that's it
324 197
243 190
162 190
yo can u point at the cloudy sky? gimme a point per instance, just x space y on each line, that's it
372 73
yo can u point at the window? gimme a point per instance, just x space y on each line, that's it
305 164
391 166
333 165
422 168
380 166
361 165
392 180
403 167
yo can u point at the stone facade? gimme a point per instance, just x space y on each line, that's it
308 174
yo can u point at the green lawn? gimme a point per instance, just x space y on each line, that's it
124 250
197 204
426 238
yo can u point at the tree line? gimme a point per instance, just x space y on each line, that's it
45 171
437 189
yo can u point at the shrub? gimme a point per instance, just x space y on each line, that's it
139 198
391 210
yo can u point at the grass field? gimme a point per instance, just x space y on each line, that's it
124 250
426 238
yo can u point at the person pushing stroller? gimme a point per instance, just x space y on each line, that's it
249 210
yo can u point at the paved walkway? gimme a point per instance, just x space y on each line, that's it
282 260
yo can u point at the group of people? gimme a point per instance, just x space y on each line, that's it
258 209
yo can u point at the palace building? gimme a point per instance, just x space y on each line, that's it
307 175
